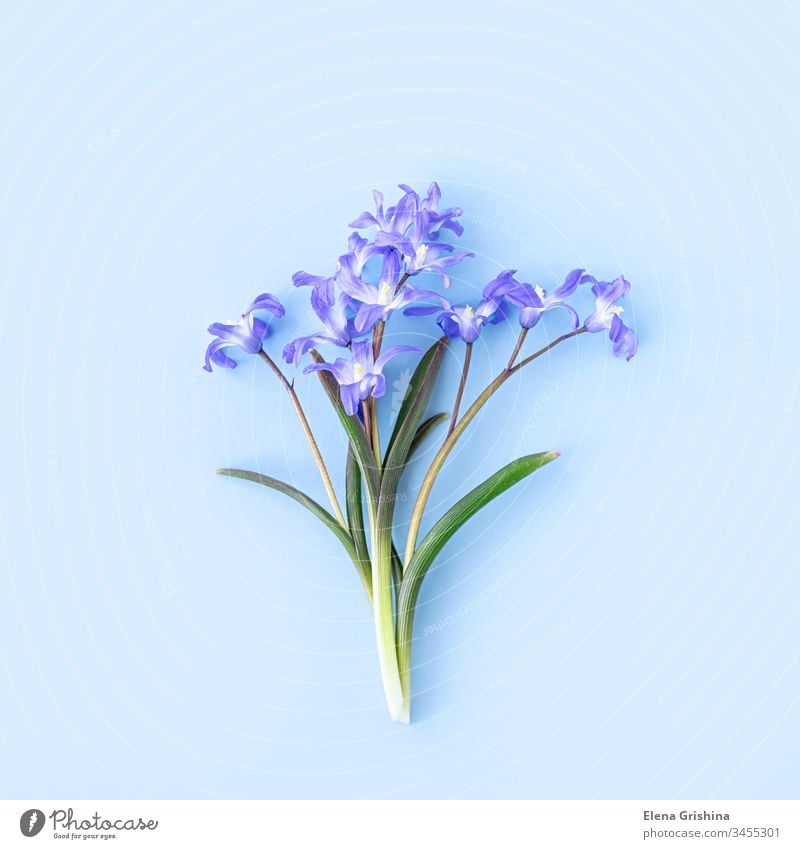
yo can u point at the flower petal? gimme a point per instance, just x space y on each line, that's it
393 352
366 219
367 316
570 283
351 396
267 302
504 283
624 339
293 351
215 355
562 306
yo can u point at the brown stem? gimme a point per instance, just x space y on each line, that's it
326 478
374 433
546 348
461 384
365 411
377 339
520 339
450 441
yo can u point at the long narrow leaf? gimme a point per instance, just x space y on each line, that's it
408 423
397 574
397 456
463 510
301 498
384 565
413 389
424 430
355 520
355 434
441 533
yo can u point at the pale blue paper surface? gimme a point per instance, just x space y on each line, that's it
624 624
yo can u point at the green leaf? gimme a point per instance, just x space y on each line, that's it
424 430
414 384
384 564
301 498
442 532
355 520
397 573
463 510
355 434
408 425
411 413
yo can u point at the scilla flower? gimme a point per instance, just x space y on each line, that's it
436 220
379 302
247 333
395 221
413 227
337 322
467 322
464 322
359 252
533 301
606 315
361 376
422 255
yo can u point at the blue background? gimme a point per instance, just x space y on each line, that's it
624 624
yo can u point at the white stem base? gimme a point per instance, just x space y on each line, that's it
391 685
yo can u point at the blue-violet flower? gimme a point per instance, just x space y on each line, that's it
465 322
533 301
247 333
361 376
377 303
607 315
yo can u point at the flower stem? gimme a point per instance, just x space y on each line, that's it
377 339
326 478
544 350
375 434
452 438
383 611
520 339
401 282
365 411
461 384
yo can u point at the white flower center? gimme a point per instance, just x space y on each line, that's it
616 310
539 291
358 371
468 311
385 293
422 252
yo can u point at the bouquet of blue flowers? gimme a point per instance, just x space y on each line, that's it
372 281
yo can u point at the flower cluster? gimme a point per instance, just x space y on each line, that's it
373 280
